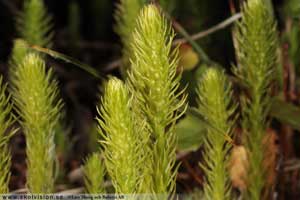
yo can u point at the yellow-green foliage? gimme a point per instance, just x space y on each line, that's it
215 104
257 43
5 133
94 172
123 147
19 52
126 15
34 27
34 23
36 96
154 82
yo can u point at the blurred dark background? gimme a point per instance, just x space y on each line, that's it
84 30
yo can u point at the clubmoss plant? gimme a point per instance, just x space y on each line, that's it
6 121
126 15
34 24
123 147
154 83
94 172
19 52
36 97
257 42
215 104
34 27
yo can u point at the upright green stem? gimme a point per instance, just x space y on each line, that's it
154 83
257 41
215 104
34 24
36 96
123 146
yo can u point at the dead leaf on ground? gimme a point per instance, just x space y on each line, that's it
238 167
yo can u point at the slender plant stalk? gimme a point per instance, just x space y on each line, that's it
36 96
154 82
123 147
6 122
215 104
94 172
210 30
257 43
